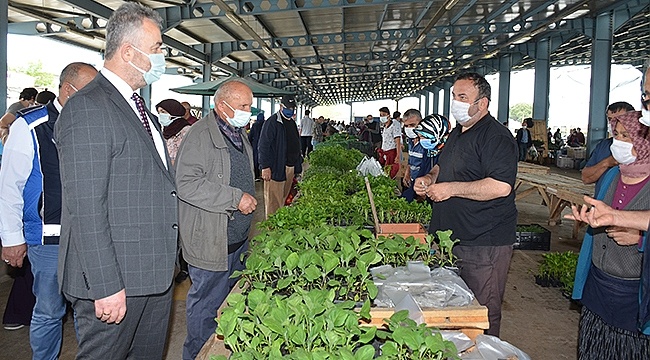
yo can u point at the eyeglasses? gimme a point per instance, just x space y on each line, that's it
645 101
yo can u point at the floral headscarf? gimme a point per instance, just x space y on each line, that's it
640 135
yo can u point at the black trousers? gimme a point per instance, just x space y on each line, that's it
485 270
305 145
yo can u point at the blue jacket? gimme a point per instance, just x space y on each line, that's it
42 192
584 262
272 148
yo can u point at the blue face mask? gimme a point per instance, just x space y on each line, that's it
157 67
428 144
288 112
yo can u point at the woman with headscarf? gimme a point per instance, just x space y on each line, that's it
614 323
170 117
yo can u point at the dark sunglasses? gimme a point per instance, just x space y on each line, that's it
645 101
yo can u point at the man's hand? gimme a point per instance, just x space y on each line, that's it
14 255
406 180
111 309
266 174
439 192
623 236
247 204
421 184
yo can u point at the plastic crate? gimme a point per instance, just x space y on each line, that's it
577 152
363 146
528 240
564 162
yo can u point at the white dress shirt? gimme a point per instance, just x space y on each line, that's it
126 92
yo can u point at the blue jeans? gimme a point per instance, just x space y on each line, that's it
46 330
208 290
523 151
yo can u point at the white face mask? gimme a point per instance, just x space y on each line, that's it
165 119
157 67
460 111
240 119
410 132
622 152
383 119
645 118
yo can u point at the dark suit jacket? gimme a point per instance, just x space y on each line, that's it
119 208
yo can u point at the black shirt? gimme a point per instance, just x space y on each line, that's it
487 149
293 141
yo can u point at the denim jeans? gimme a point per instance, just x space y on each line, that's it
208 290
45 332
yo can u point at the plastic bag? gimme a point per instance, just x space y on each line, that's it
436 288
492 348
370 166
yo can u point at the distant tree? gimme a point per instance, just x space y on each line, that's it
41 77
519 112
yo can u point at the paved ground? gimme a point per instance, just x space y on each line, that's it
540 321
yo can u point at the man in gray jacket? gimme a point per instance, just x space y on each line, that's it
214 177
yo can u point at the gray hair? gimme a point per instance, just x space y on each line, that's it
125 25
71 71
226 90
413 113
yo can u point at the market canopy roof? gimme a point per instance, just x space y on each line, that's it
209 87
335 51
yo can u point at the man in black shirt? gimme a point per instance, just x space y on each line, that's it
472 192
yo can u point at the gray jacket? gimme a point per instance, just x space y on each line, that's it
206 199
118 214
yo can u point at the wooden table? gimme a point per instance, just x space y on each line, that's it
557 192
471 320
530 168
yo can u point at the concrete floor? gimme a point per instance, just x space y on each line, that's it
540 321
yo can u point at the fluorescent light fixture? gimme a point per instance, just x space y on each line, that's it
421 38
234 18
266 49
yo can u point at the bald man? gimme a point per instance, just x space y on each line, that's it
216 192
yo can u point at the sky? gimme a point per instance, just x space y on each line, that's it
568 98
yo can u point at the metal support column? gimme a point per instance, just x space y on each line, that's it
145 93
351 116
436 101
601 57
542 79
207 76
4 29
447 101
259 105
505 64
427 100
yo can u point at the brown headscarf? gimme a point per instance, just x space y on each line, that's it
174 108
639 134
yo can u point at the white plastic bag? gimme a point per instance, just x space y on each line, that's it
492 348
370 166
435 288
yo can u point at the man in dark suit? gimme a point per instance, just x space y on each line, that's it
119 208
